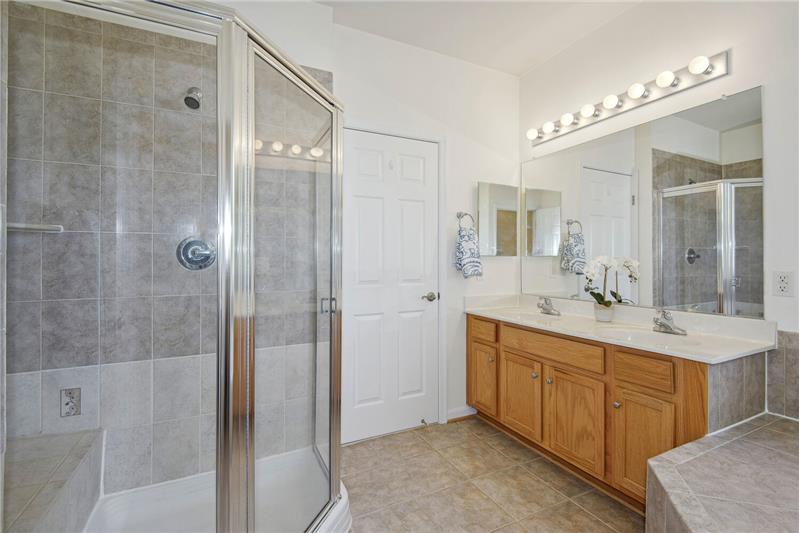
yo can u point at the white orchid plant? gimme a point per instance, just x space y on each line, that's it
599 267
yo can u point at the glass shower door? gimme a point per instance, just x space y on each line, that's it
747 281
292 262
689 251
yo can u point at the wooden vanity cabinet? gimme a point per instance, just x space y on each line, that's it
598 408
576 419
521 394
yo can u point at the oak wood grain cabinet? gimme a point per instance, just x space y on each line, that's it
600 410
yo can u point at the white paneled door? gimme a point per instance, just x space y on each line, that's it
389 265
606 215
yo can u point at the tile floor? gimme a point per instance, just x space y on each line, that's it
467 476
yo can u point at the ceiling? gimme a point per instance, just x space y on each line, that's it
726 114
513 37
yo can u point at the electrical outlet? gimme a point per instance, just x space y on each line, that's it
782 283
70 402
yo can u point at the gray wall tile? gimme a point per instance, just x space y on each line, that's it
176 326
26 11
25 191
299 423
129 453
270 376
177 203
24 404
126 329
128 66
24 266
176 388
69 333
25 53
127 139
176 449
25 123
68 20
71 129
299 371
126 264
71 196
270 430
69 265
208 443
118 31
175 72
24 341
269 321
208 391
72 62
126 200
126 395
87 379
209 324
754 384
169 277
178 145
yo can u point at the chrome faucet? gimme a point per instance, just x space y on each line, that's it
546 305
664 323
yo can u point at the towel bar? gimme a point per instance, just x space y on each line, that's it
44 228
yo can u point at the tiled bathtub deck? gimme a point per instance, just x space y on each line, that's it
743 479
467 476
51 481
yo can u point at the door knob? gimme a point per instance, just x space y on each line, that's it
617 405
534 375
431 296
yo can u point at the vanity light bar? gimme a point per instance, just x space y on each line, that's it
699 70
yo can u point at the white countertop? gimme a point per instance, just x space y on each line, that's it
702 347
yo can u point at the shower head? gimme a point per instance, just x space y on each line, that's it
192 98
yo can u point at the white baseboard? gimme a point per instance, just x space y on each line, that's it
458 412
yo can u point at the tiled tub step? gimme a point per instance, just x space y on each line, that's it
52 482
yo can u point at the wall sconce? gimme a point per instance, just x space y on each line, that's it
699 70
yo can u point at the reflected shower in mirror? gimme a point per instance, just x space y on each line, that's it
681 194
497 219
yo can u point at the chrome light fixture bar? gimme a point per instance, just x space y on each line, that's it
699 70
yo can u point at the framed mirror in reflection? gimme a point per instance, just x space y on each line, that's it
681 194
497 219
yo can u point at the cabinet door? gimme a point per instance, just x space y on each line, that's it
576 419
521 395
643 427
484 365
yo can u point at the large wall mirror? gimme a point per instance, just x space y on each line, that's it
682 195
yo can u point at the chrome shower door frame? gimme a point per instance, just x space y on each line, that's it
726 233
236 297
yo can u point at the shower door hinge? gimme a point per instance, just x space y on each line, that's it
633 199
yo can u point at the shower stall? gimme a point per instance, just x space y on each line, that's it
172 283
710 247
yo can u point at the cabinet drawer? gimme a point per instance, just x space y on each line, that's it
573 353
645 371
483 329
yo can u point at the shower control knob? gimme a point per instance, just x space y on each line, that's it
194 253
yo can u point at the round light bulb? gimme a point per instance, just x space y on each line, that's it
666 79
532 134
277 146
588 111
567 119
258 144
611 101
700 65
637 90
296 149
316 152
548 127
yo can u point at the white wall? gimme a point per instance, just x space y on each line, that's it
680 136
762 38
395 88
741 144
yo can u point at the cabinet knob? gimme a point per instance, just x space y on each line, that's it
491 359
617 405
549 381
534 375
